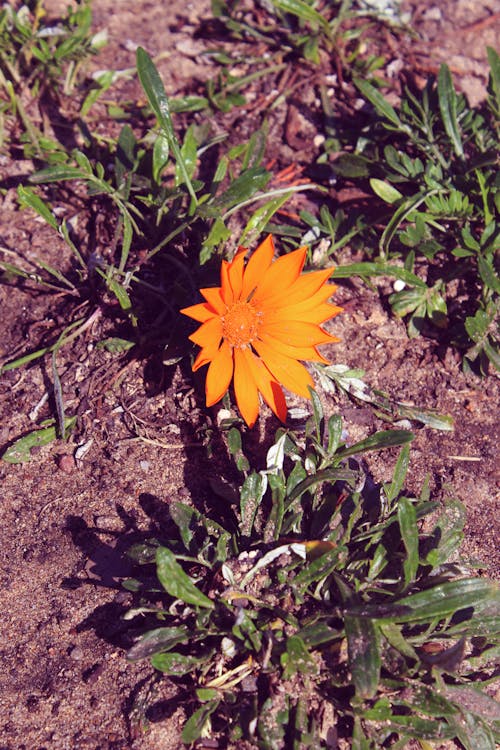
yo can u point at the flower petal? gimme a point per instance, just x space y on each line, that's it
303 288
286 370
280 275
267 385
204 356
219 374
307 353
201 312
296 332
245 388
257 265
235 272
213 296
208 334
225 286
306 311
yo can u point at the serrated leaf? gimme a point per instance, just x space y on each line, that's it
176 582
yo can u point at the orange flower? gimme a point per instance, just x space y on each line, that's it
255 327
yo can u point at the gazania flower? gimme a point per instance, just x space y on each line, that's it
258 324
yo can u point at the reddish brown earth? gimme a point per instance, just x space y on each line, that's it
65 684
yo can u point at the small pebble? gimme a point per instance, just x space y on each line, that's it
76 653
66 463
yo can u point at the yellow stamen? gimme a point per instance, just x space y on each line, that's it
240 324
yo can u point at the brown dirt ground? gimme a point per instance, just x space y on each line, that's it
65 684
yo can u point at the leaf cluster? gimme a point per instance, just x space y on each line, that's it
318 590
434 163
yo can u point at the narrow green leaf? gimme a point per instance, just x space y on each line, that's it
28 198
438 602
367 269
494 79
263 215
155 92
120 293
363 645
20 451
448 107
407 519
156 641
160 156
381 105
400 471
251 494
176 582
58 174
303 11
378 441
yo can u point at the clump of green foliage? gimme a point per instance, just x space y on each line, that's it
315 608
434 160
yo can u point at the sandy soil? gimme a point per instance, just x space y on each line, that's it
65 522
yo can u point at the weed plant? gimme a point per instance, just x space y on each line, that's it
315 609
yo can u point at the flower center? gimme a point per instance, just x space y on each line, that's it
240 324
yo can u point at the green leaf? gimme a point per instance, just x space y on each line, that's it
488 273
58 174
176 582
115 345
156 641
494 79
400 471
175 664
155 92
448 107
20 451
367 269
303 11
435 603
297 659
381 105
160 156
363 644
243 187
378 441
194 726
385 190
447 535
120 293
28 198
251 494
407 519
262 216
